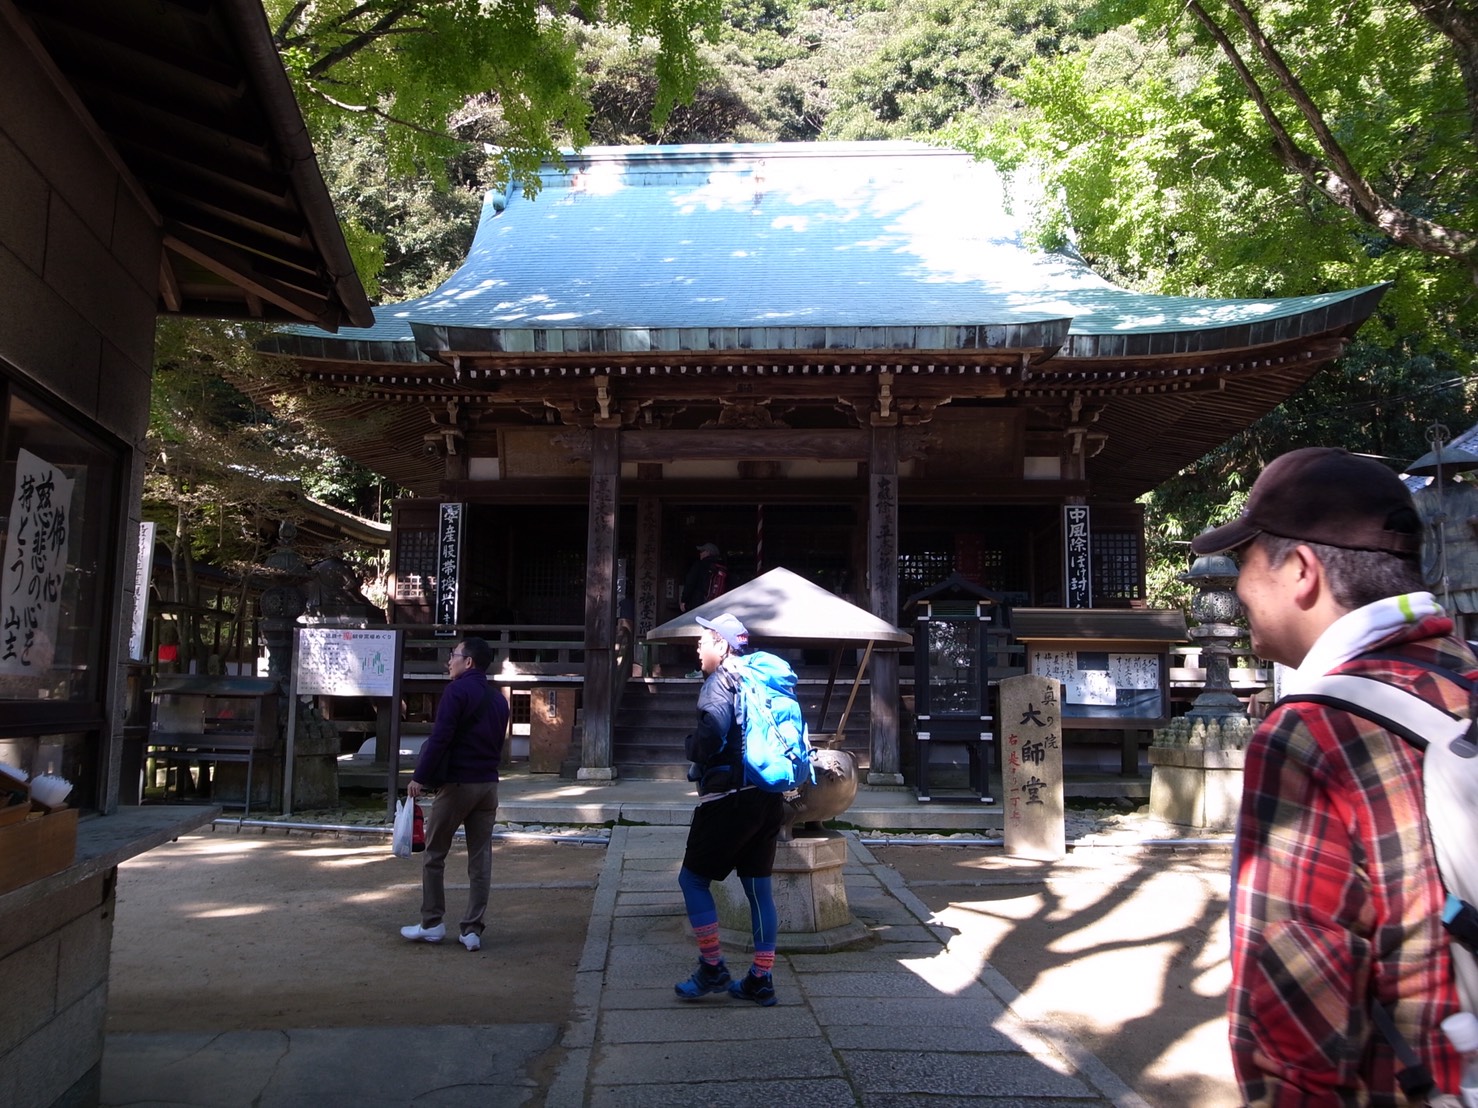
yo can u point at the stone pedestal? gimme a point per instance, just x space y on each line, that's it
810 899
551 728
315 761
1196 787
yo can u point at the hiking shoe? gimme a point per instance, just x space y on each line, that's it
761 990
693 673
706 979
418 934
471 941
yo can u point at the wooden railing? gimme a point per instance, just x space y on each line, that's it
525 655
517 647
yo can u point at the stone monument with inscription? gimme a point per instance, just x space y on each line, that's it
1031 768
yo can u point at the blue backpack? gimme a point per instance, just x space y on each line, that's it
777 754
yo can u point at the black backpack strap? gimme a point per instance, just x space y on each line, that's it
1413 737
1458 679
1415 1079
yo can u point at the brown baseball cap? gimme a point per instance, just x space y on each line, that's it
1324 495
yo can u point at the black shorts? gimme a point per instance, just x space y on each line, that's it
735 833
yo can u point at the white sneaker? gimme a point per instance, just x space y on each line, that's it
471 941
418 934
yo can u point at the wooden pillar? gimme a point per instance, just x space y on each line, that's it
882 576
600 605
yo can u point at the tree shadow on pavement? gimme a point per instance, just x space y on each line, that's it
1126 952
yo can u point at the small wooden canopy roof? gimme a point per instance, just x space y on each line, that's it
955 587
783 607
1147 624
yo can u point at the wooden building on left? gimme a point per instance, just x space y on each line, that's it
152 160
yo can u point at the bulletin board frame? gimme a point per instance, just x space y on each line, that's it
1041 660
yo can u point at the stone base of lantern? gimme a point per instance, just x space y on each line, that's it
1196 787
810 899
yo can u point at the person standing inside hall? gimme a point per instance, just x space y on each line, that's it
706 579
460 761
734 829
1337 902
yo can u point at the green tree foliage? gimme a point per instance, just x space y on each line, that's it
222 471
1193 144
1209 148
415 229
210 444
624 90
1217 148
1365 401
934 63
503 71
768 77
402 98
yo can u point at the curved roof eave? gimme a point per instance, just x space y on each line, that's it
864 247
1045 335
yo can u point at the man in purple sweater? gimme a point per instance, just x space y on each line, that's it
460 761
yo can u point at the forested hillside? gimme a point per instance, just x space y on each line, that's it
1217 147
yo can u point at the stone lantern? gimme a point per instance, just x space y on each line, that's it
1215 610
283 602
1196 761
310 752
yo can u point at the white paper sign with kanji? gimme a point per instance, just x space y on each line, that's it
35 565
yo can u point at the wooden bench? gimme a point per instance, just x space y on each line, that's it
178 751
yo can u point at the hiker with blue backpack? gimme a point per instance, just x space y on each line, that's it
741 806
1342 968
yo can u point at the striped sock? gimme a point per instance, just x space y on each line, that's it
708 944
702 914
764 962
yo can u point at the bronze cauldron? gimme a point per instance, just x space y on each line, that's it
831 795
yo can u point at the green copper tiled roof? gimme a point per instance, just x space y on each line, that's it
842 246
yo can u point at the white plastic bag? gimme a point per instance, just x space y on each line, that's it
405 815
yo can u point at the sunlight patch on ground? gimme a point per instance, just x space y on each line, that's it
1191 1053
228 911
981 925
1128 918
345 853
1216 978
984 926
1027 906
1098 973
951 971
198 847
219 847
566 792
376 858
1218 946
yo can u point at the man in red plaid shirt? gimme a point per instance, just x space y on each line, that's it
1336 898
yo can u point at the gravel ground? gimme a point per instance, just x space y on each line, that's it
1109 826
